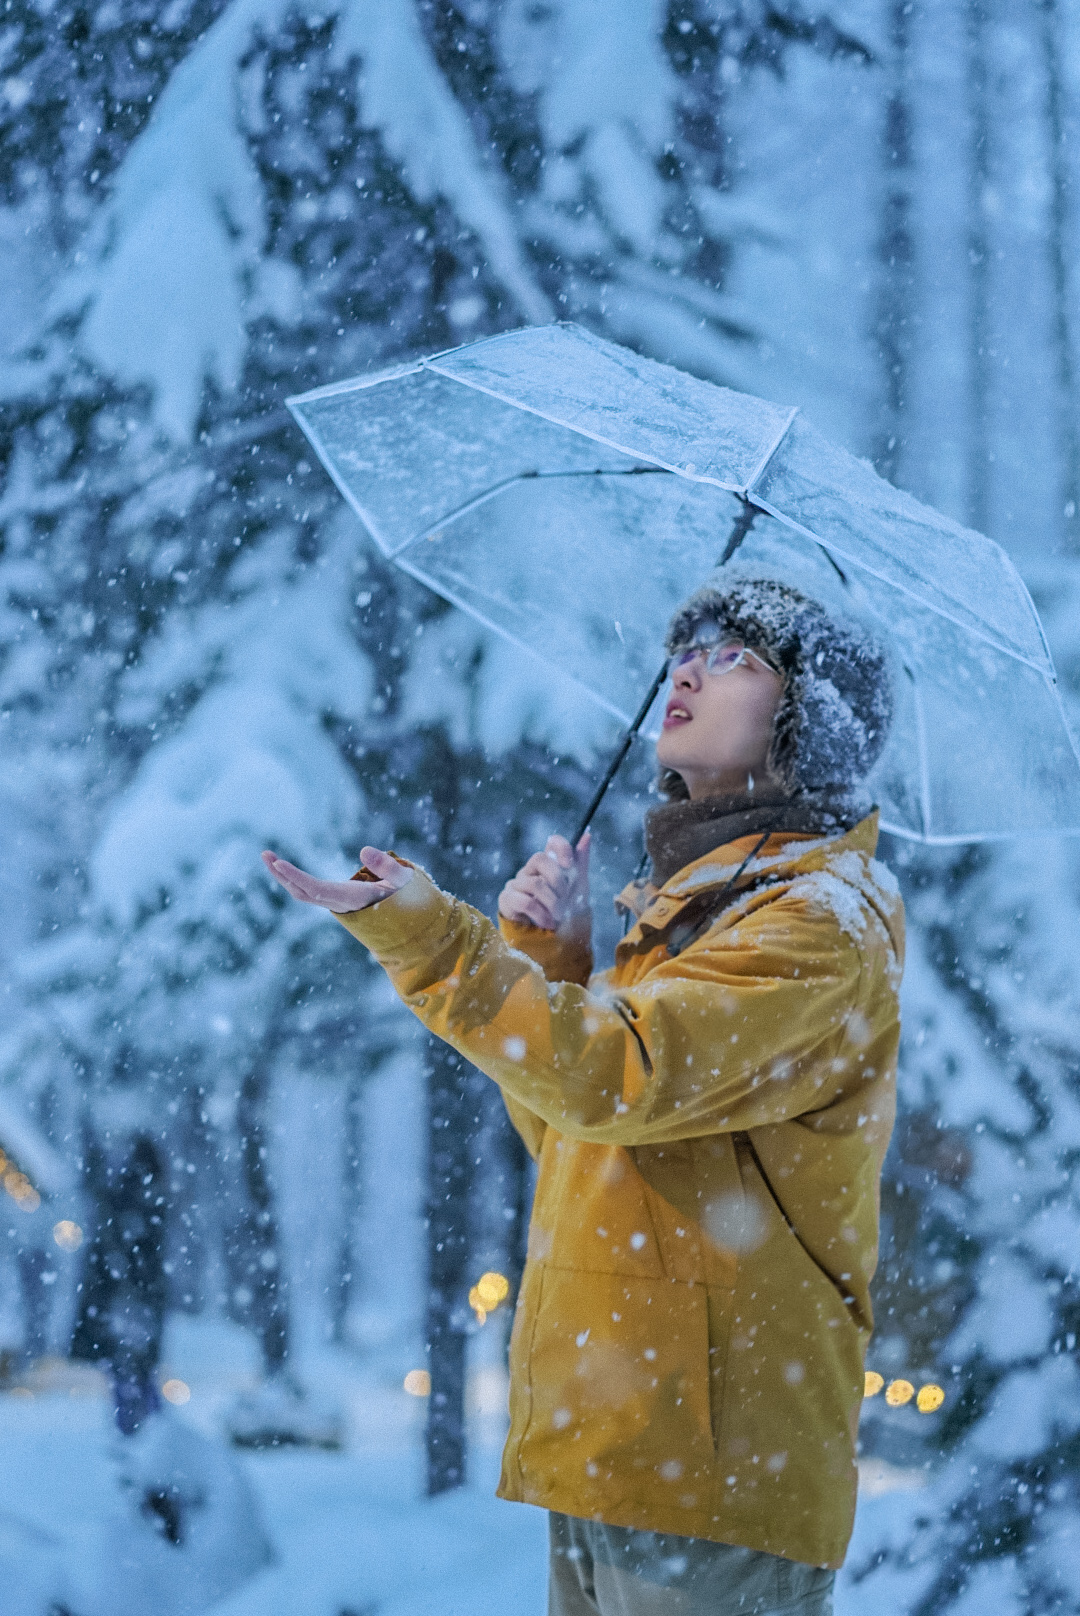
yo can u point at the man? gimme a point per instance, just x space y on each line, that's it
709 1117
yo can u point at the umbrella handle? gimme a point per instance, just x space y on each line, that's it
624 747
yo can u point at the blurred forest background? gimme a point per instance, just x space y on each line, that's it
869 210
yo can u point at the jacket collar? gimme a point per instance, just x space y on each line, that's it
786 855
680 833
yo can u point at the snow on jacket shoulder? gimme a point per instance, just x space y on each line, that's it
710 1122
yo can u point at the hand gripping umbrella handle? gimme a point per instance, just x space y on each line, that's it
624 747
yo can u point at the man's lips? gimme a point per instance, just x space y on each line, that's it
676 714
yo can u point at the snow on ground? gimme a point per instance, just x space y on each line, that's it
354 1536
352 1532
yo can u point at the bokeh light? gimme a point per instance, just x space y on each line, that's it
68 1235
19 1187
930 1397
177 1392
490 1290
418 1383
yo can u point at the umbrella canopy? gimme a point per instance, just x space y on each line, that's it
570 494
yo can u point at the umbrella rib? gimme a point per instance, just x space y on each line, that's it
924 763
355 384
455 599
771 450
469 505
526 476
1042 631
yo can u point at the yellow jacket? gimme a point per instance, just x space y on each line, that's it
687 1353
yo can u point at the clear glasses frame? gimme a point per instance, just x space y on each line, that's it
719 659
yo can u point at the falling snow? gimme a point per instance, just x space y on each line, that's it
230 1167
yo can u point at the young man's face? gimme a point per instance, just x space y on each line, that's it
718 727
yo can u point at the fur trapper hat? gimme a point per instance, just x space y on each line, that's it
833 718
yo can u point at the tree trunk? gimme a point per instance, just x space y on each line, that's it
259 1283
896 308
1058 245
351 1203
979 462
125 1289
450 1124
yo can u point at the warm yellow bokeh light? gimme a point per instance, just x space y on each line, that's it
899 1393
491 1289
68 1235
176 1391
874 1383
930 1398
418 1383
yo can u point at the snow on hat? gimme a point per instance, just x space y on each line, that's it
834 714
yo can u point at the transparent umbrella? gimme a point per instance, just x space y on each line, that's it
569 494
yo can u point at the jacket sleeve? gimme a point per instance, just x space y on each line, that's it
563 956
531 1127
742 1029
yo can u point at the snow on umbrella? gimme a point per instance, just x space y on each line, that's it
569 494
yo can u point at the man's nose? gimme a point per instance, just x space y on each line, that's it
688 675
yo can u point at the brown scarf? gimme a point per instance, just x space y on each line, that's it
677 833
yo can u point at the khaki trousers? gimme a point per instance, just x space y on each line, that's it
613 1571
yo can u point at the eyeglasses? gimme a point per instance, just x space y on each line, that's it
719 659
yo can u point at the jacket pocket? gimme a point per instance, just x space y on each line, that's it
619 1384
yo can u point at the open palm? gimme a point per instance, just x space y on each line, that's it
342 897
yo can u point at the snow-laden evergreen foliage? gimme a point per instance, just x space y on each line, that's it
868 210
978 1288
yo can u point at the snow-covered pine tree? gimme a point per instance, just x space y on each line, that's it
146 692
614 125
132 537
80 84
